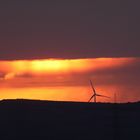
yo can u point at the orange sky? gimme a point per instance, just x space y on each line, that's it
68 80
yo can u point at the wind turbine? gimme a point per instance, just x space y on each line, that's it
95 94
115 97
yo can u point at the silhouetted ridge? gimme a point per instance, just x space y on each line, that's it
51 120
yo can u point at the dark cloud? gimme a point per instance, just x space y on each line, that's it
69 29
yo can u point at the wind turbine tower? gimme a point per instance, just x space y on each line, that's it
95 94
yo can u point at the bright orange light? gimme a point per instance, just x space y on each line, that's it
56 79
45 65
59 66
51 93
52 66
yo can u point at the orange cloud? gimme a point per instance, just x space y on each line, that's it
12 69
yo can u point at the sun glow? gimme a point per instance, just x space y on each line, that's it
55 79
48 65
12 69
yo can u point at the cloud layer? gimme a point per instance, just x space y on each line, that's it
74 29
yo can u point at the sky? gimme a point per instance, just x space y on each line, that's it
53 47
68 79
34 29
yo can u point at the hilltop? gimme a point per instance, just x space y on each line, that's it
50 120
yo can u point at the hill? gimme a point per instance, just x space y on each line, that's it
33 119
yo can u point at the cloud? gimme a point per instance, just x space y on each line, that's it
103 71
58 67
69 30
9 76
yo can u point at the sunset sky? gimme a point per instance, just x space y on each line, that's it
49 50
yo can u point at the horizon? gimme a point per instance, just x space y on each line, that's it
68 79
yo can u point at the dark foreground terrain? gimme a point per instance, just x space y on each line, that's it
38 120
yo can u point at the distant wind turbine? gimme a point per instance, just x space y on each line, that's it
95 94
115 98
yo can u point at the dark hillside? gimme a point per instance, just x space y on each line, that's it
29 119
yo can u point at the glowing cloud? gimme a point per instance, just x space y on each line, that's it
12 69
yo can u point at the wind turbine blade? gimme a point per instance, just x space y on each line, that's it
92 87
91 98
102 96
